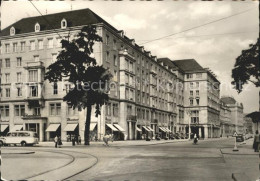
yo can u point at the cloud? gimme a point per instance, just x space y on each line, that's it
123 21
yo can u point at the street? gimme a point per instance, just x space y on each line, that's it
211 159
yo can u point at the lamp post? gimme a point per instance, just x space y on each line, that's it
188 111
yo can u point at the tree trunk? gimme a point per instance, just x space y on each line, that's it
87 125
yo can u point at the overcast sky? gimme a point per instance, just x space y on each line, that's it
214 45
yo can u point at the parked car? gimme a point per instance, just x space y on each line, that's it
248 136
240 138
23 138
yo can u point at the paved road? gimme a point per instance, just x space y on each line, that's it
171 161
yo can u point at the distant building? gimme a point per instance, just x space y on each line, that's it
200 94
227 128
237 115
248 125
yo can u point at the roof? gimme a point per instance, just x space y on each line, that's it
53 21
228 100
189 65
168 62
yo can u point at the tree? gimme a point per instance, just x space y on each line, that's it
246 68
76 65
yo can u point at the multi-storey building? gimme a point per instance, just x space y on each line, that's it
237 116
139 105
226 126
201 99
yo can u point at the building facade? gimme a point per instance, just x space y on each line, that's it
138 107
237 115
226 126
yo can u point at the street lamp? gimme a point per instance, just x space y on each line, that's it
188 111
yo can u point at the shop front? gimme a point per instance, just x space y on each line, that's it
4 129
120 135
72 130
53 130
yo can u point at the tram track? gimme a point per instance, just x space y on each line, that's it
72 157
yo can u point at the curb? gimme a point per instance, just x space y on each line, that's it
31 152
237 153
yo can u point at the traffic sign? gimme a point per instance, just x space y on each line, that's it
235 134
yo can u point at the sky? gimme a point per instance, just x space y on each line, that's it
214 45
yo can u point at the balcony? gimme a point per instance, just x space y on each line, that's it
33 116
34 65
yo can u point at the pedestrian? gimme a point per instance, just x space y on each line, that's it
195 139
79 139
56 141
59 142
256 143
106 138
73 140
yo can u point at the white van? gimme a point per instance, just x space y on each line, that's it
20 137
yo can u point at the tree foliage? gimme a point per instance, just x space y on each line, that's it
246 68
76 65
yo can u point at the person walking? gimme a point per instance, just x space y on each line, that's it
79 139
59 142
195 139
73 140
256 143
106 138
56 141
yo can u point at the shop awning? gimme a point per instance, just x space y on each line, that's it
167 129
150 128
162 129
92 126
17 128
3 127
70 127
119 127
112 127
138 129
52 127
146 129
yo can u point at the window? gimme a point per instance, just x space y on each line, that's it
18 61
19 92
12 31
36 58
191 93
55 88
191 85
189 76
22 46
115 110
19 77
55 109
67 87
7 48
129 110
191 102
126 79
131 68
19 110
131 94
197 93
4 111
7 92
197 84
198 102
107 40
114 44
63 23
40 44
15 49
37 27
1 63
107 56
32 45
33 75
127 93
195 117
108 109
54 58
50 43
115 60
71 111
34 91
7 63
37 111
115 75
131 80
7 78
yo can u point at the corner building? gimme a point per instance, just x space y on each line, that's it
139 105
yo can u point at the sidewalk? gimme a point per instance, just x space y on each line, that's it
116 143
